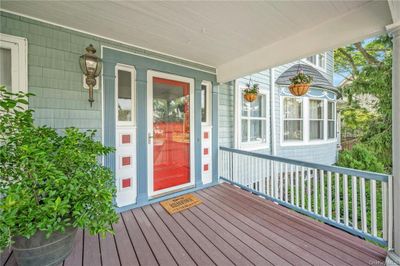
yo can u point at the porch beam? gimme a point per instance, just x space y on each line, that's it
368 20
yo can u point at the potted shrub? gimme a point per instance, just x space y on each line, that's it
50 185
250 92
300 84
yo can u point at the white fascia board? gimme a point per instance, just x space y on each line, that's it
367 21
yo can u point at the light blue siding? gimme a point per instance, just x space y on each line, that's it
322 153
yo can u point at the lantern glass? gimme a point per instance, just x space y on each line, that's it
82 64
99 66
91 65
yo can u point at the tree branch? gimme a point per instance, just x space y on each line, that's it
370 59
350 60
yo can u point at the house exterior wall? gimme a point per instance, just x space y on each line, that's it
325 153
54 76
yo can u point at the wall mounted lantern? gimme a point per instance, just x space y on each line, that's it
91 66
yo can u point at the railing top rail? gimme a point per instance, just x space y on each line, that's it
336 169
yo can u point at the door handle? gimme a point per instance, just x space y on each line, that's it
149 137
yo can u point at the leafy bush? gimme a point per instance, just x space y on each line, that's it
48 181
251 89
301 78
361 158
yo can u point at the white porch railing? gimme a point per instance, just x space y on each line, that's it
356 201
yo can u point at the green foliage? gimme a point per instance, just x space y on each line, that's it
355 120
367 66
252 89
48 181
301 78
361 158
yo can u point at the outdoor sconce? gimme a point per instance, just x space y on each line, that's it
91 67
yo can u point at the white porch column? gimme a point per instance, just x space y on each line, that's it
394 255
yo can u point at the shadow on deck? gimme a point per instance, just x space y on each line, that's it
231 227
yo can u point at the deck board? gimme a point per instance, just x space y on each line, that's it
231 227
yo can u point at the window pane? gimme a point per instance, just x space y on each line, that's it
293 107
331 129
293 130
257 108
316 109
5 68
316 129
312 59
322 60
257 130
203 103
245 106
244 130
124 101
331 110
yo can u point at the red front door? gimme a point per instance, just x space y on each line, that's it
171 133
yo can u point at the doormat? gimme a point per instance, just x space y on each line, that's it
180 203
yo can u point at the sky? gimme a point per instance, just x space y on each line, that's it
339 78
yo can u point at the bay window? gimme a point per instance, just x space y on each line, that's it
316 119
293 118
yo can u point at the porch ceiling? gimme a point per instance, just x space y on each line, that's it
236 38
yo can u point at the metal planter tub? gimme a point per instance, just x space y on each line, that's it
39 250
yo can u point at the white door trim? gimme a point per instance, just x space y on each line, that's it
19 60
150 155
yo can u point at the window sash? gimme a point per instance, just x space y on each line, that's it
247 117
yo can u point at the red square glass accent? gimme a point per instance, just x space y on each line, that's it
126 182
126 160
126 139
205 167
205 151
205 135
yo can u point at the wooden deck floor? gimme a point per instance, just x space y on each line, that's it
230 227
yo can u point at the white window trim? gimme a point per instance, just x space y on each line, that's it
208 103
132 70
306 124
324 119
334 120
19 61
255 145
299 119
324 68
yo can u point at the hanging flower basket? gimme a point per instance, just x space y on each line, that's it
299 89
300 84
250 93
250 97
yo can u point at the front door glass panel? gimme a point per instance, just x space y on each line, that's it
171 133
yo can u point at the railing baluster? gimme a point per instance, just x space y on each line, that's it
272 179
308 189
345 200
354 201
329 190
281 181
315 191
291 184
322 192
276 179
302 187
297 185
286 182
268 166
374 231
363 205
337 197
384 211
